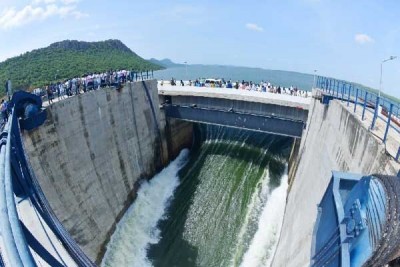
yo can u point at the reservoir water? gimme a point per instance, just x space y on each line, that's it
276 77
221 204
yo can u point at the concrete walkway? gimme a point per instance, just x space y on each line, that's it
237 94
393 138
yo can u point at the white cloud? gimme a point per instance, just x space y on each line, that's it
38 2
254 27
65 2
362 38
39 10
69 2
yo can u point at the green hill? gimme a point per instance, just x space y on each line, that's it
66 59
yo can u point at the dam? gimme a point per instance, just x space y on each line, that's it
94 153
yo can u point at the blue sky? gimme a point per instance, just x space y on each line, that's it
340 38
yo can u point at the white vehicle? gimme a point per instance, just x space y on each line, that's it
212 82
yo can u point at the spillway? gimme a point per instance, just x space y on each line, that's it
221 205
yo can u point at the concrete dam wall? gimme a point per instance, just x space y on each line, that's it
335 140
93 150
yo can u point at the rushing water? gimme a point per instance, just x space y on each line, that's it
222 205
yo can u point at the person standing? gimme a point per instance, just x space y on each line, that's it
58 89
49 94
4 110
74 87
8 89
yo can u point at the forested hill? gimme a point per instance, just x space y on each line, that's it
66 59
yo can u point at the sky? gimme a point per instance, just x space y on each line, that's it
338 38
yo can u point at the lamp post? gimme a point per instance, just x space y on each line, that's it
315 73
378 108
380 80
55 76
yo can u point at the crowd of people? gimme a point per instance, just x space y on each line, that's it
263 86
88 82
76 86
116 78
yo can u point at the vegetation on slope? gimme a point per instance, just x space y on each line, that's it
67 59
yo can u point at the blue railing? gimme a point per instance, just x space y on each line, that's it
15 244
368 101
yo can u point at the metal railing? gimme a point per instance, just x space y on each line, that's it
15 244
381 107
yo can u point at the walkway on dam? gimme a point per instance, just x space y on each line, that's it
393 137
225 93
237 94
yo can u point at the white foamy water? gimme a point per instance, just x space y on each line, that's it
138 228
263 245
254 209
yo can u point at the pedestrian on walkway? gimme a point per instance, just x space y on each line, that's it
49 94
4 110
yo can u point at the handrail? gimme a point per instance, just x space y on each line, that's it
19 237
368 100
18 253
10 249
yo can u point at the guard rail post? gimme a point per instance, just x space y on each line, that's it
343 91
388 123
364 106
356 101
337 89
348 96
376 113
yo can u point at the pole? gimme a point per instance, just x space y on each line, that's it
380 80
388 123
356 101
9 89
365 105
376 113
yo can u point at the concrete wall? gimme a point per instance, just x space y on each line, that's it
334 140
179 136
92 151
